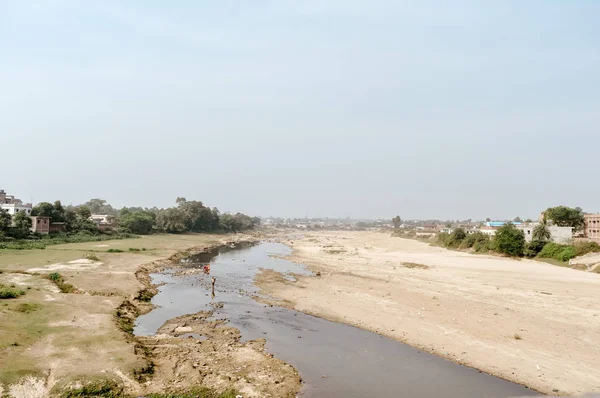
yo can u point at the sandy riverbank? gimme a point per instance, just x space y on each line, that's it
52 341
529 322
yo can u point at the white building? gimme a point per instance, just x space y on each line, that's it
13 205
561 235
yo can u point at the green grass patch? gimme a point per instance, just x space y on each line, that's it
199 392
59 281
102 388
145 295
134 249
25 244
91 257
28 307
9 292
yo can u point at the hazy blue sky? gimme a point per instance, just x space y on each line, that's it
427 109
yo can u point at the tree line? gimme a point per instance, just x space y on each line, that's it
186 216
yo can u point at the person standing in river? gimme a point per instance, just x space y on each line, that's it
213 280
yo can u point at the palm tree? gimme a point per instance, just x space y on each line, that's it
541 233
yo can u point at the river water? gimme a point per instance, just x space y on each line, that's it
334 360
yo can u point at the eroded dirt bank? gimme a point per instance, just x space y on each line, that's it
53 341
529 322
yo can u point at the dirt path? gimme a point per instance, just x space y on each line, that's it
529 322
52 341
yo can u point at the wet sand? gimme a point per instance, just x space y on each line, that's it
529 322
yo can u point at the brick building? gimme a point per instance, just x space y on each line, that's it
591 229
40 224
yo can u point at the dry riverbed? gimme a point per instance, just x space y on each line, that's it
52 341
529 322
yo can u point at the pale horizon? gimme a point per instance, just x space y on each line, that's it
331 109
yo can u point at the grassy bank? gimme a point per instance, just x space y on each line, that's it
49 240
58 317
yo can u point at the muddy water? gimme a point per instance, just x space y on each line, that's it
334 360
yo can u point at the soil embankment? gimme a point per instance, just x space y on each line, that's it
529 322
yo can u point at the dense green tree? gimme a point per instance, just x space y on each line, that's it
564 216
81 221
172 220
83 212
5 222
21 225
58 212
43 209
196 213
456 238
137 222
100 206
509 240
397 221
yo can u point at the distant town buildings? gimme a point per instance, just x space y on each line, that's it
13 205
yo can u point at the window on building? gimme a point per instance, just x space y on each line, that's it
38 221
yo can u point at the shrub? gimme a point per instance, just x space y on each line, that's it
134 249
8 292
533 248
456 238
443 238
60 283
582 248
115 251
509 240
472 239
27 307
145 295
550 250
104 388
92 257
566 254
557 252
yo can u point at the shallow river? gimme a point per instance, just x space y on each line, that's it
334 360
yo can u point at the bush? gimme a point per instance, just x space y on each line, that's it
60 283
557 252
566 254
443 238
456 238
114 251
134 249
55 277
533 248
473 239
509 240
92 257
550 250
27 307
582 248
8 292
